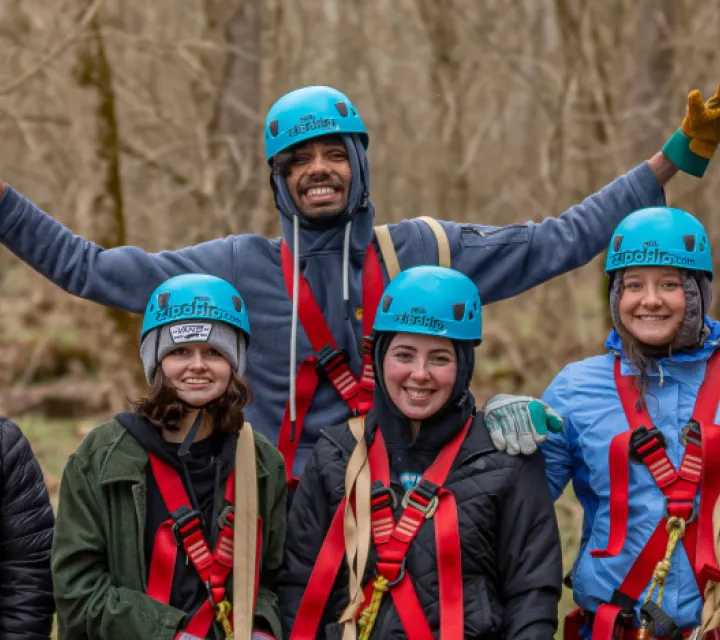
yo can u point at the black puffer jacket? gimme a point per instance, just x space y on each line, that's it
26 530
509 539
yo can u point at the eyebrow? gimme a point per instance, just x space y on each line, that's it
410 348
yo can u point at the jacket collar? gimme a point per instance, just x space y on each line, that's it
614 345
127 462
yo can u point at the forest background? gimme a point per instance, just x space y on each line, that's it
138 122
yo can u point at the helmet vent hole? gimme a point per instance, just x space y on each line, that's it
459 311
617 241
274 127
689 242
342 109
387 300
163 300
237 303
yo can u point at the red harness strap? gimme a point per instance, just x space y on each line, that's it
329 359
392 543
679 487
184 528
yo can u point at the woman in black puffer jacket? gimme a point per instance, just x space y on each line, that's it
484 559
26 533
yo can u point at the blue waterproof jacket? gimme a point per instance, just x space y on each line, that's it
584 394
503 261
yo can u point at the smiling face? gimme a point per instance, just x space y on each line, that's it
319 176
419 373
652 304
199 373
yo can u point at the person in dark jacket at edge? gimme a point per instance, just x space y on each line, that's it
507 561
26 533
316 145
130 544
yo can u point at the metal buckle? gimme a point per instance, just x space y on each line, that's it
182 518
380 492
400 576
428 510
224 519
691 433
693 511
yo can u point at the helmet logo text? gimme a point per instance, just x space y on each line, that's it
651 255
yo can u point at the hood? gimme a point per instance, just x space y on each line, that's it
330 235
220 445
438 429
614 345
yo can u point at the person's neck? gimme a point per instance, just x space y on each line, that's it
206 428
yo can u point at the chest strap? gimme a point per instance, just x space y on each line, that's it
184 529
428 500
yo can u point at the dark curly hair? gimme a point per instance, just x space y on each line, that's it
160 405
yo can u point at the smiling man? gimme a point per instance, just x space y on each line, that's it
312 293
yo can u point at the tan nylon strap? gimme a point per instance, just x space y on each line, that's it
711 607
443 245
356 525
387 249
244 534
382 233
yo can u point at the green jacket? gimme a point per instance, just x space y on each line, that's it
98 562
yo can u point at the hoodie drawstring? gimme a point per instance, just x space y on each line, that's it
346 269
294 325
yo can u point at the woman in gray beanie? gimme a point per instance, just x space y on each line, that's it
145 544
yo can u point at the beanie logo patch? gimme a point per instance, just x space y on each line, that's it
191 332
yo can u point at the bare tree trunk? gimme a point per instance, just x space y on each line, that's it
100 214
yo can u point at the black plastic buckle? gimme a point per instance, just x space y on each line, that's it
664 624
183 517
691 433
640 438
384 496
329 359
627 604
366 344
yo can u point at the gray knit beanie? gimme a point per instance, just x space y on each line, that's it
220 335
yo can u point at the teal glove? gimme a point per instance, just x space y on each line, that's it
517 424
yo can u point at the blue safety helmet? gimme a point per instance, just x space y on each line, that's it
309 113
434 301
660 236
195 296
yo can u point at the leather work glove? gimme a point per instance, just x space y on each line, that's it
517 424
693 145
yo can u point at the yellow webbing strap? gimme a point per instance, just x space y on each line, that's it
382 233
244 534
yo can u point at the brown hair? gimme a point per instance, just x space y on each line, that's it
160 405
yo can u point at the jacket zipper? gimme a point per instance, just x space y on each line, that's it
485 234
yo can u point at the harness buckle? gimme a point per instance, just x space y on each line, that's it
227 517
186 522
683 503
428 509
366 343
400 574
627 604
329 359
381 497
691 433
650 440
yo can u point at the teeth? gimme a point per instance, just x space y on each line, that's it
651 318
196 380
414 393
320 191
